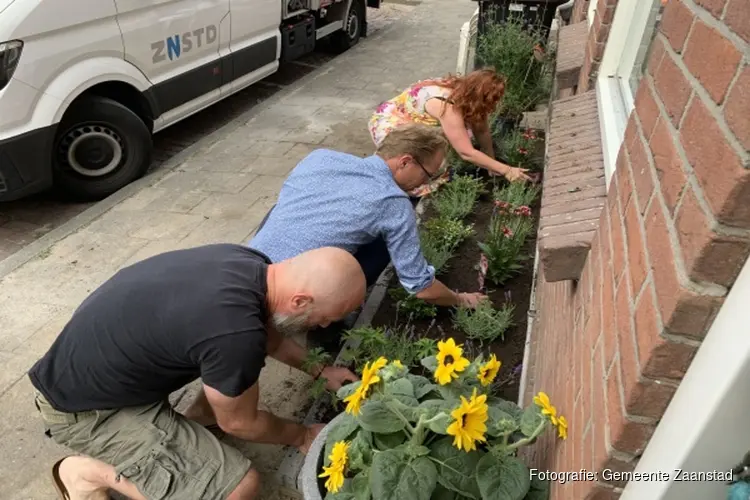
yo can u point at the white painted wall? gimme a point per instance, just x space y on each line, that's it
707 425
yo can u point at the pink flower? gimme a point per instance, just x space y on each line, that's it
507 232
523 211
382 107
523 151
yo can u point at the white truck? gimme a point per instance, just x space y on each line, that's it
84 84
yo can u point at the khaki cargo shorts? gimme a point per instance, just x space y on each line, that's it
164 454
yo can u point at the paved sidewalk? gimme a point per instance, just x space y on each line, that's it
217 194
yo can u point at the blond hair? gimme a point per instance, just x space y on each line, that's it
421 142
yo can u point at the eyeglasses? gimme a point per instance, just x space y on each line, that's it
430 176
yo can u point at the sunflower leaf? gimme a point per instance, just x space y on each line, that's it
502 478
402 390
430 363
451 392
456 470
375 416
441 424
360 450
539 489
442 493
388 441
395 477
361 486
508 407
500 422
348 390
344 428
530 420
422 386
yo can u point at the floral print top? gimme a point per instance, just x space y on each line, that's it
409 107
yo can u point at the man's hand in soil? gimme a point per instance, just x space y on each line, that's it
337 376
310 435
471 300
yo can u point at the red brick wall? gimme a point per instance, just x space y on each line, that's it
611 349
598 34
580 8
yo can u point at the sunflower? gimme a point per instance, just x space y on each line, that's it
450 361
542 400
335 471
469 426
488 371
369 378
562 427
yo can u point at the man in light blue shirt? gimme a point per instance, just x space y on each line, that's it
360 205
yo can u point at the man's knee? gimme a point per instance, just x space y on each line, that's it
248 488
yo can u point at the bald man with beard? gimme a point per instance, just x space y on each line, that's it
212 312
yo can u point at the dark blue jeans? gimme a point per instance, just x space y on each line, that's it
372 257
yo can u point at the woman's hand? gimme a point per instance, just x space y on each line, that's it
516 174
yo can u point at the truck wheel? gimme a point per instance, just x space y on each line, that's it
354 24
100 147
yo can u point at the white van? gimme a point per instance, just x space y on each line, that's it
85 83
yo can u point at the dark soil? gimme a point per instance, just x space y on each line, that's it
462 275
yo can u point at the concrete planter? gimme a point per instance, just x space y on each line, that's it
308 482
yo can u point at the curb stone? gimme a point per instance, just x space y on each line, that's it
43 244
287 475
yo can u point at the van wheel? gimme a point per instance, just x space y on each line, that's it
100 147
354 23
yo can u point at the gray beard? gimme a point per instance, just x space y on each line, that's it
289 325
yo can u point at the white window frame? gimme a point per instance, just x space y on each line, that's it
614 95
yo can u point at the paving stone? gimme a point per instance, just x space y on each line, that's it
20 320
40 341
153 248
160 199
218 182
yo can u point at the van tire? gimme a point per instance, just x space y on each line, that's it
354 25
100 147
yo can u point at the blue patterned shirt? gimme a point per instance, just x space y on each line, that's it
340 200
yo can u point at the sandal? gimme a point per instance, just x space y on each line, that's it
62 491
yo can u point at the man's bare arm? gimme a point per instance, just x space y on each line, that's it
241 417
289 352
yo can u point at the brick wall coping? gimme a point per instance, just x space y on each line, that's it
574 190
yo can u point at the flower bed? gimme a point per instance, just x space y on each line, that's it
499 330
434 416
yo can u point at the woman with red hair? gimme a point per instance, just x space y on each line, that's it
461 106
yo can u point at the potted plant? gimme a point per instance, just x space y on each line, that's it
406 436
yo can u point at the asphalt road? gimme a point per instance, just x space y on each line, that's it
24 221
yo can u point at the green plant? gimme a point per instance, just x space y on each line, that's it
458 165
516 194
315 359
401 343
447 232
485 323
515 51
404 436
519 148
439 238
414 307
503 246
457 198
437 255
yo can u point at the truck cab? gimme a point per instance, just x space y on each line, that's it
85 84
